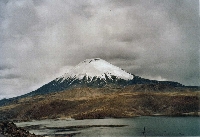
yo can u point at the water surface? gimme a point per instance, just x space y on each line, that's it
138 126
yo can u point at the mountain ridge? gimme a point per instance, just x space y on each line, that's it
90 91
94 73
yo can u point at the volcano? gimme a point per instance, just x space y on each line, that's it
96 73
97 89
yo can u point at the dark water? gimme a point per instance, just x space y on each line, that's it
138 126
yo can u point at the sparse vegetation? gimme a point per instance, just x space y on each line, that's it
82 103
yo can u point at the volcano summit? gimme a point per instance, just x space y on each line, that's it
96 68
97 73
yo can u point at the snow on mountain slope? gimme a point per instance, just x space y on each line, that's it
97 67
97 73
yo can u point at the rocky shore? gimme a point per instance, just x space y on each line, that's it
9 129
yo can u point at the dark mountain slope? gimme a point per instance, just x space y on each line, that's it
97 73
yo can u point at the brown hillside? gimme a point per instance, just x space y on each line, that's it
84 103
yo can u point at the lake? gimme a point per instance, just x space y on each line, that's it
110 127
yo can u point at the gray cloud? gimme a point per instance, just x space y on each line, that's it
4 67
9 76
40 39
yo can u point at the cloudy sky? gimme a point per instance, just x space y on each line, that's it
41 39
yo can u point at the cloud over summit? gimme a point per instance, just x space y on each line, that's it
153 39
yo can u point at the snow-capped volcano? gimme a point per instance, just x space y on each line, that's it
94 73
97 73
98 68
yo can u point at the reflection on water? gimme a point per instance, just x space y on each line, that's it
138 126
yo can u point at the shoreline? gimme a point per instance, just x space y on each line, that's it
64 127
189 114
